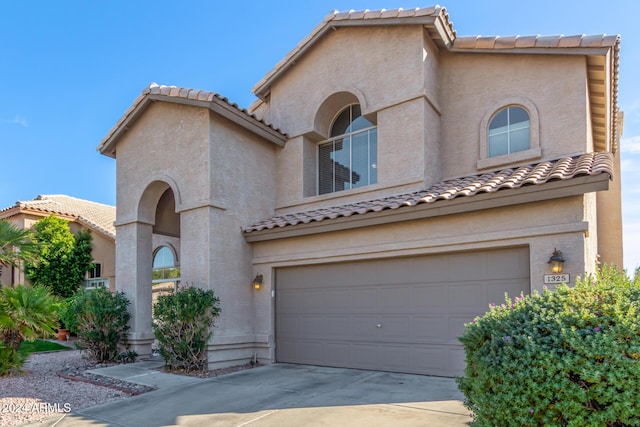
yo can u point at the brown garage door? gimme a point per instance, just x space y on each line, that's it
399 315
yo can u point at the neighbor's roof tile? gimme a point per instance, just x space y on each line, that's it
488 182
94 215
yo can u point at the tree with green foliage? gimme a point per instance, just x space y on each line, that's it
16 244
61 259
567 357
26 313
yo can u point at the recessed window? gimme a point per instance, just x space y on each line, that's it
509 132
165 276
349 159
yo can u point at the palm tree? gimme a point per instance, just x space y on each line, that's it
16 244
26 312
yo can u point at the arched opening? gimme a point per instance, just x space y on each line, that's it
165 269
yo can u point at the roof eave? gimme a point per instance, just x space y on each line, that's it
508 197
217 105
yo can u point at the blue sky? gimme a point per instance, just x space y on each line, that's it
70 69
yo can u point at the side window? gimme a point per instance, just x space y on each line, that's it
349 158
509 132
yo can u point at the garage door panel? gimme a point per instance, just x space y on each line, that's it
430 297
312 326
337 300
430 360
394 299
337 353
364 328
466 296
364 355
337 327
394 328
421 303
395 357
471 266
364 300
430 328
497 290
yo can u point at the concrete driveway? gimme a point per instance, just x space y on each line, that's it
288 395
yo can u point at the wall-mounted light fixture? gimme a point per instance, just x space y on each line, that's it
257 282
556 262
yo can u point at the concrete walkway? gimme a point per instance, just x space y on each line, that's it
277 395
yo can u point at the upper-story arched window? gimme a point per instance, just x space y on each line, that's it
349 159
509 131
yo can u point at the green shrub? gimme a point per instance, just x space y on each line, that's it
568 357
11 361
183 324
101 322
26 312
67 314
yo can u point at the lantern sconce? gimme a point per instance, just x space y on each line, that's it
257 282
556 262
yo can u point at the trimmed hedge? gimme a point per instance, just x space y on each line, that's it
568 357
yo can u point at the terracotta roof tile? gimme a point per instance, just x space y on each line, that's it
94 215
534 41
488 182
178 92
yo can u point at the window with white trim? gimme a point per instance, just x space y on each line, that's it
165 275
349 159
509 132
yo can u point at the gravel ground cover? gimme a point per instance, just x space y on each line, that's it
41 393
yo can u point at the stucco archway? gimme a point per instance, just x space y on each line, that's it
156 225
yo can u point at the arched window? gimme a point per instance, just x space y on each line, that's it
165 275
349 158
509 132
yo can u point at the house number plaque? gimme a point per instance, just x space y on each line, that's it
556 279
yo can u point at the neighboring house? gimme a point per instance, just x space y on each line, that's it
81 214
390 183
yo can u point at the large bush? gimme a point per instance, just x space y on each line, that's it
568 357
183 324
61 259
101 322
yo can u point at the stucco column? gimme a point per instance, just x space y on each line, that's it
133 270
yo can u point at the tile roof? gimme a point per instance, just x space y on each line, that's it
178 94
537 41
94 215
488 182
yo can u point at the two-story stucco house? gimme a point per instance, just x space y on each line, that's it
391 181
81 215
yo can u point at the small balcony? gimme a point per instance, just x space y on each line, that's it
96 283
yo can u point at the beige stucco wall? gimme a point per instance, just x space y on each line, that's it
222 177
474 85
609 212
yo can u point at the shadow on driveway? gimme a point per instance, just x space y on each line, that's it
289 395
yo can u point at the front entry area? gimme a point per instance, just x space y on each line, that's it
397 315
